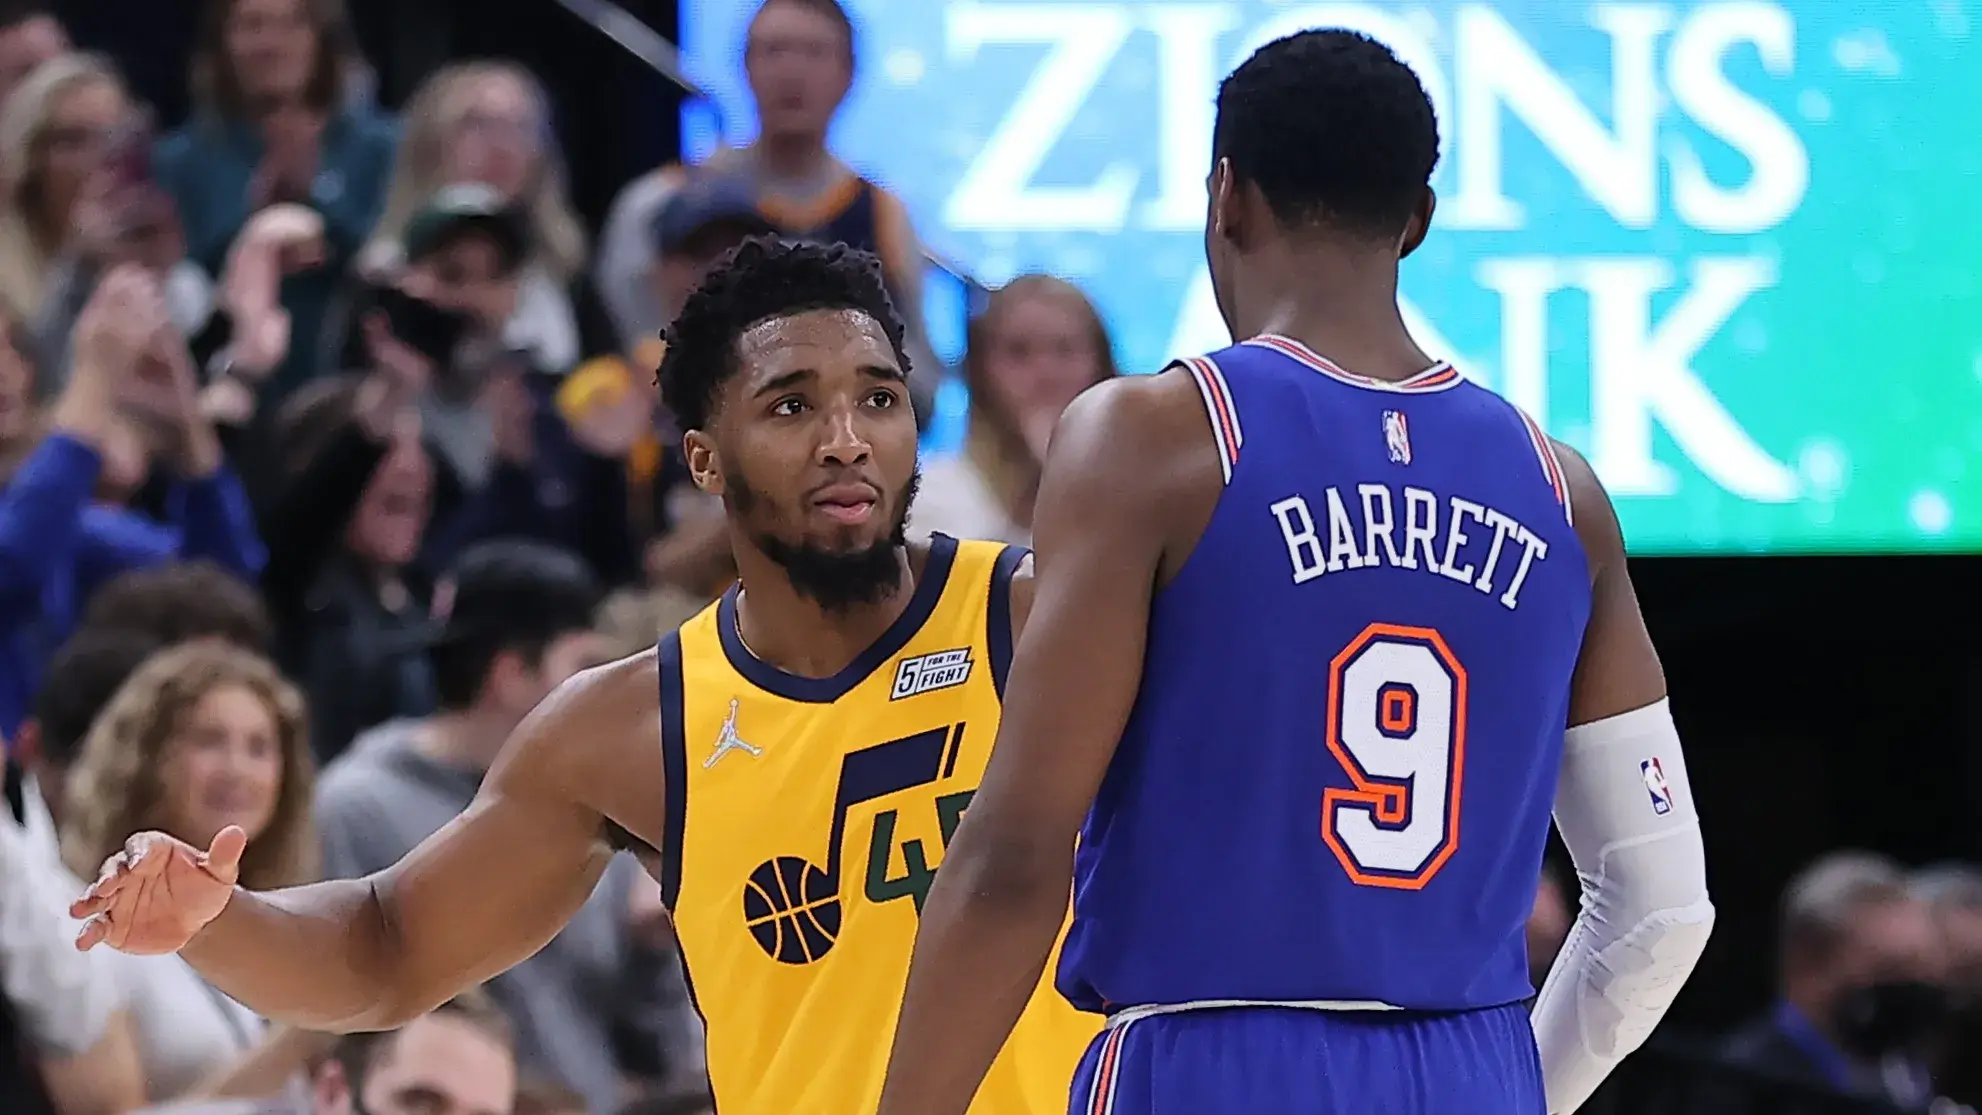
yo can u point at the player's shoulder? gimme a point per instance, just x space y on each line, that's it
1590 508
600 709
1120 419
594 740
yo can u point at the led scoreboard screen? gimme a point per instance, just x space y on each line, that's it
1731 251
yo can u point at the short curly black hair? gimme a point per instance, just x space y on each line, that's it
1332 128
763 278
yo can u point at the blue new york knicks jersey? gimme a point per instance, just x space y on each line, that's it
1336 782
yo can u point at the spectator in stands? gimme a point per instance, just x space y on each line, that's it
488 123
181 602
29 35
85 673
58 125
1038 343
200 737
799 60
66 1046
1954 892
518 619
456 1060
56 548
1859 966
348 604
272 124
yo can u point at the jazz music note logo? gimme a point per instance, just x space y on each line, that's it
791 906
727 740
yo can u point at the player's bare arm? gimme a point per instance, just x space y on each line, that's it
580 776
1625 810
1130 480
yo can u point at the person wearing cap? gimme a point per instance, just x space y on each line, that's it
516 620
464 254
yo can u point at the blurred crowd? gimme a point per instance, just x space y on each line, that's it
329 445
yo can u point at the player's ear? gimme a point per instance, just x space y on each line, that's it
705 465
1224 218
1419 224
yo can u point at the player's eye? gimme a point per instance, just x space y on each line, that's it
882 399
788 406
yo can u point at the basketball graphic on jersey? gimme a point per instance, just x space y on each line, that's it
792 908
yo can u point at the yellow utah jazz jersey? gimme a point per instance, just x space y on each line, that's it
806 819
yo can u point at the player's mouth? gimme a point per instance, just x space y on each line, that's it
851 504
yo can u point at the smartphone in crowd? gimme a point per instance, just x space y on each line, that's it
432 331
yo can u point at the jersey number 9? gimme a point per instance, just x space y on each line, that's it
1397 724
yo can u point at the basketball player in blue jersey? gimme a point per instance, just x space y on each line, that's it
1323 633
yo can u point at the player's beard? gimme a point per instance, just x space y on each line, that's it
837 581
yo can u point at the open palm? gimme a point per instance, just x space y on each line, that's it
158 892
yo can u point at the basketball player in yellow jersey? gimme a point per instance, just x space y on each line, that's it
820 731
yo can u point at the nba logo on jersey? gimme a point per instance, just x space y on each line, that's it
1397 437
1655 785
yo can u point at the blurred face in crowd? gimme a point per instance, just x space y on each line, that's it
1548 927
797 62
1870 986
81 121
222 766
468 274
518 685
272 45
439 1064
1043 348
497 139
392 514
28 44
813 450
16 390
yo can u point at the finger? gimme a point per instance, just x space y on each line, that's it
222 859
95 931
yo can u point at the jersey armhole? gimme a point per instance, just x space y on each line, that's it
1551 464
998 614
1218 406
674 765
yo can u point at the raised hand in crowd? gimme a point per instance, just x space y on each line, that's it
163 396
118 326
294 144
280 240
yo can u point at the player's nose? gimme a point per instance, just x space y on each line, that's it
841 442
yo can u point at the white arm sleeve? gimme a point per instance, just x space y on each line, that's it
1625 810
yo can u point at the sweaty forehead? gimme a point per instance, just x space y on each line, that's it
821 341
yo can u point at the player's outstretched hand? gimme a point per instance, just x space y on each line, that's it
153 896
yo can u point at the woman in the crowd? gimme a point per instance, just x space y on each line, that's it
203 736
488 123
272 123
341 582
54 135
1038 343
